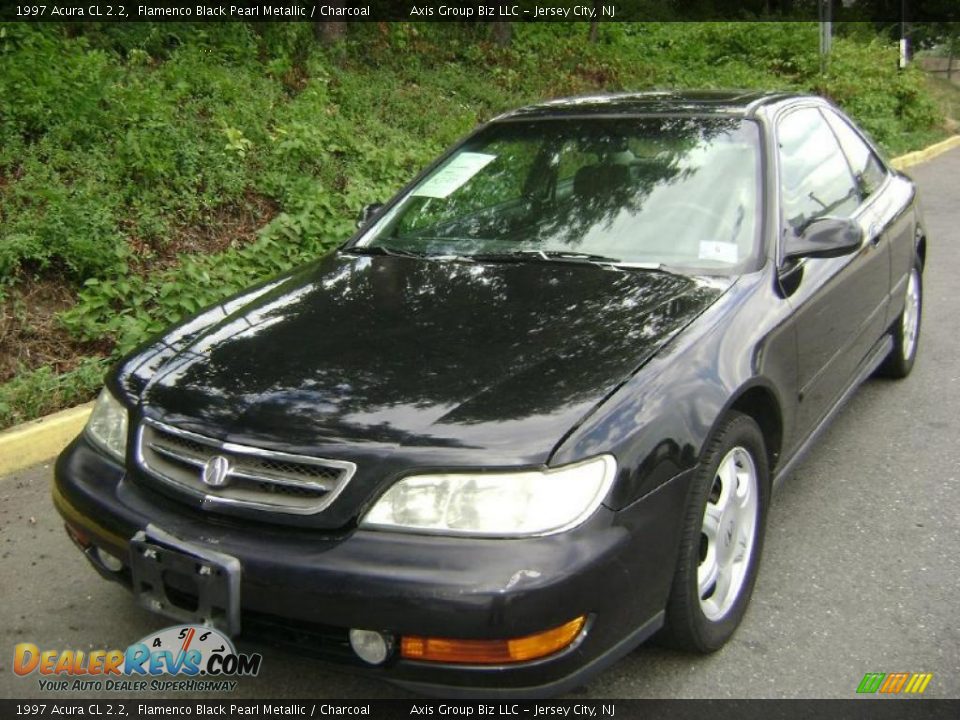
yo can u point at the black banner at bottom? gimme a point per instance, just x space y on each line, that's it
853 709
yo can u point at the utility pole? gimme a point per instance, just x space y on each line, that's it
825 11
904 36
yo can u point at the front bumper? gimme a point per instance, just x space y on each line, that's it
307 588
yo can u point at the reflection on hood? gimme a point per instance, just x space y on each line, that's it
404 351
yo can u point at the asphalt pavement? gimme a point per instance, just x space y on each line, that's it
861 569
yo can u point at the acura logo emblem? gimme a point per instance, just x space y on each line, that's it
216 471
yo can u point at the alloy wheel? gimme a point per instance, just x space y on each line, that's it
728 533
910 322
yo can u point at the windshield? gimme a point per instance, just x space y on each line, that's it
680 192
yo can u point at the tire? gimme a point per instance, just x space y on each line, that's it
906 331
704 621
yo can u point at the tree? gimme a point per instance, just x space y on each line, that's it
501 32
951 52
331 32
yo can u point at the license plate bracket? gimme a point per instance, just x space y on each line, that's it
169 573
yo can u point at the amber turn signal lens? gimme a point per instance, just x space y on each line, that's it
491 652
79 537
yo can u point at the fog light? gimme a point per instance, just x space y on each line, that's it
371 646
110 562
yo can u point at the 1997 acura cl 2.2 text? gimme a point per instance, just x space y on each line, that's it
532 412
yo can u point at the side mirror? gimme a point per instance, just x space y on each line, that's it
825 238
368 212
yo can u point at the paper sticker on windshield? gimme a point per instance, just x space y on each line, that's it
719 251
455 173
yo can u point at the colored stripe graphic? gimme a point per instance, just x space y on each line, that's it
918 683
871 682
893 683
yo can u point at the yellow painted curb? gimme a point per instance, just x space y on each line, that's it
920 156
39 440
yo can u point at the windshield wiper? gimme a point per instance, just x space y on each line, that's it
543 255
651 266
382 250
518 256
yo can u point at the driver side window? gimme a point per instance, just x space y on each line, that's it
867 168
815 179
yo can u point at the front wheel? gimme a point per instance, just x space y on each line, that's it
906 331
721 540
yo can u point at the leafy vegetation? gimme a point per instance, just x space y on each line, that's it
157 168
41 391
946 94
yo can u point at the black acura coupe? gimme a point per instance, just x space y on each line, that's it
532 413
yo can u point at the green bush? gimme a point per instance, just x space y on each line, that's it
892 105
106 147
36 392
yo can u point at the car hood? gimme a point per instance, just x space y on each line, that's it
473 362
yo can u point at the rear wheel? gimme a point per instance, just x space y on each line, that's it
906 331
722 539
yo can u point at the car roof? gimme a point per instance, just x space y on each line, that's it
739 103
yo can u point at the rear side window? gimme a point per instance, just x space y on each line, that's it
867 168
815 179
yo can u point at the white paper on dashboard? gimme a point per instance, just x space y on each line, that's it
720 251
454 174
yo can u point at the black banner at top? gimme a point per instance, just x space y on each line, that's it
478 10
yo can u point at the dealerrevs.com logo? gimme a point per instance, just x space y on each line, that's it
201 658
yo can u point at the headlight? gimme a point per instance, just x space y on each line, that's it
495 504
107 426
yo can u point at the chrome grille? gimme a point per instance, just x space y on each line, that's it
254 478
